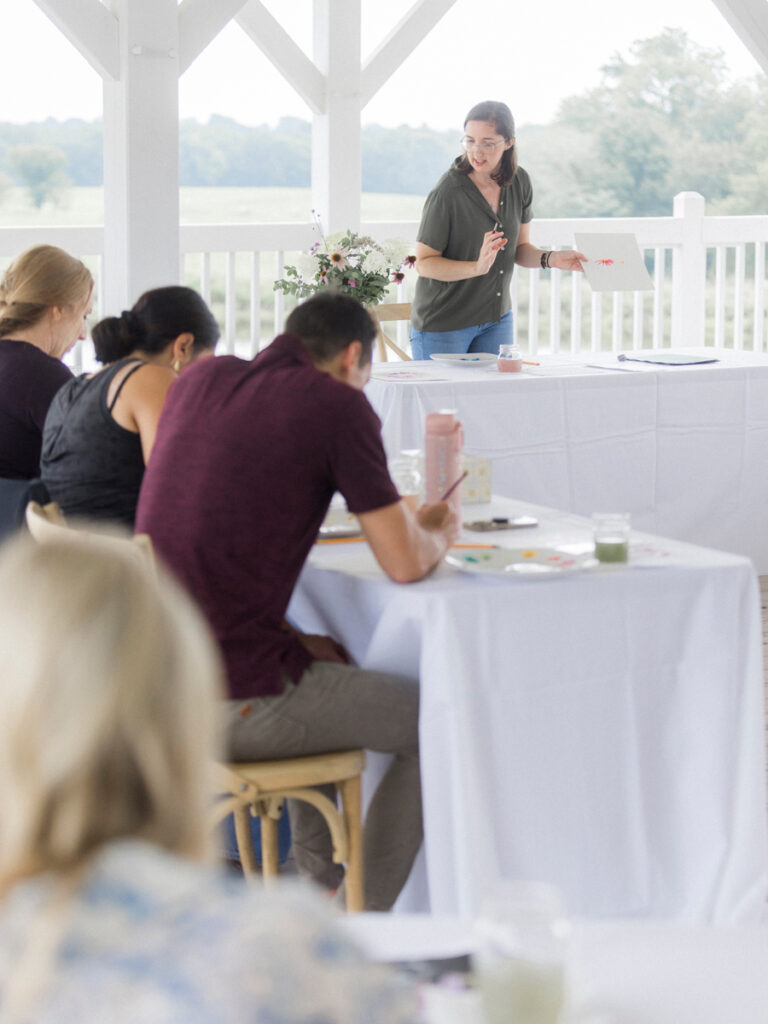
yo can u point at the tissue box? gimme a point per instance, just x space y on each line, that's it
476 488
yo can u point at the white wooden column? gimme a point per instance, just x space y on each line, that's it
141 154
336 160
335 88
689 264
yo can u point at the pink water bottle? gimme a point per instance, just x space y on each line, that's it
443 442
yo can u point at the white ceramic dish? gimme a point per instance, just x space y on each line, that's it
532 563
464 358
340 523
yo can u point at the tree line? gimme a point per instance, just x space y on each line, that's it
664 118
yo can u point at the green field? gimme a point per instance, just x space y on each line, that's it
84 206
200 206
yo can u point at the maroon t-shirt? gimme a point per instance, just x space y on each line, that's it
246 460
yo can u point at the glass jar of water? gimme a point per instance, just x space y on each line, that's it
519 960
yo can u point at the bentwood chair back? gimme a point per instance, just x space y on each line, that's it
47 523
260 787
386 313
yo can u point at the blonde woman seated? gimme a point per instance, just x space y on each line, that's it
107 909
101 427
45 296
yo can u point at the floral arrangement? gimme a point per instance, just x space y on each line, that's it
349 263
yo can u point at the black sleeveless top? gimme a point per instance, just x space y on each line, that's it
90 464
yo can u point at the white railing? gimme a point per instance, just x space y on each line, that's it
703 293
709 277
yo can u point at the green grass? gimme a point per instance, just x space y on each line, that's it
84 206
200 206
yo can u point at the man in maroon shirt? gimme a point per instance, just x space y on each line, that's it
246 460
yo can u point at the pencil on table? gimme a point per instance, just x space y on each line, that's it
339 540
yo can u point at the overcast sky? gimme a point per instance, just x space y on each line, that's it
531 55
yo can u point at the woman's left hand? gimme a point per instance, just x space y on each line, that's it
567 259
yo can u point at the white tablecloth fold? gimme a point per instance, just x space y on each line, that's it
603 731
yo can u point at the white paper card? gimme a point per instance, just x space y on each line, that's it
615 263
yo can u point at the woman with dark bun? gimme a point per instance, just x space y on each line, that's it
45 296
474 229
101 427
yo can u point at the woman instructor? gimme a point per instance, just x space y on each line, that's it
474 229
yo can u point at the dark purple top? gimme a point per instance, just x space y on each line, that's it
246 460
29 378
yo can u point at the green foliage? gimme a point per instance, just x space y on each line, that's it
81 141
41 169
349 263
665 119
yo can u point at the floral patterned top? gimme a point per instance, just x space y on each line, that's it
149 938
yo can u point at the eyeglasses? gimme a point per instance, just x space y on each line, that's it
484 147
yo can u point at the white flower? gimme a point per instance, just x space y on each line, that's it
306 265
395 249
376 262
333 242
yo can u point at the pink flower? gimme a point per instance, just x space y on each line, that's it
409 261
398 276
338 260
350 282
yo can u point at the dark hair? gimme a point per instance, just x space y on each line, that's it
157 319
329 322
500 116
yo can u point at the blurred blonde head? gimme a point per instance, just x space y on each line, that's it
107 704
39 280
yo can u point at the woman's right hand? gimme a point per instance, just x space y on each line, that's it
492 242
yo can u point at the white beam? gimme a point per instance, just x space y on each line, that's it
336 160
141 154
749 20
91 28
200 21
400 44
289 59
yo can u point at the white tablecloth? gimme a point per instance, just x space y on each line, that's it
619 973
603 731
684 449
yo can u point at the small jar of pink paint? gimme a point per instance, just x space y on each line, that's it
510 359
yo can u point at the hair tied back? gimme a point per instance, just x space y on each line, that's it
130 320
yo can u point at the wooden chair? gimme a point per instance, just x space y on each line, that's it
262 787
259 787
390 312
47 523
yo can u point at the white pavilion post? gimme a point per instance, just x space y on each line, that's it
141 154
336 148
689 272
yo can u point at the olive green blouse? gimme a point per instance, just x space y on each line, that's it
456 216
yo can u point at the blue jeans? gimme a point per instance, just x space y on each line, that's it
480 338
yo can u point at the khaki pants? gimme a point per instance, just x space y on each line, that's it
340 707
